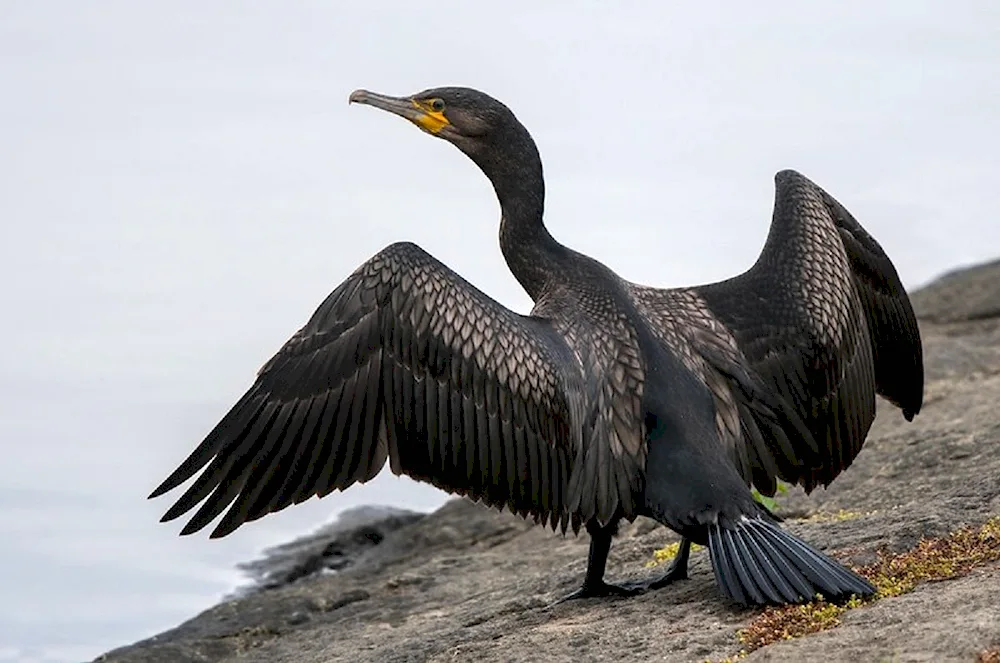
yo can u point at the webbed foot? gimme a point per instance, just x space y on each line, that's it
678 570
675 572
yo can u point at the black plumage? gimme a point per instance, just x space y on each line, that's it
610 400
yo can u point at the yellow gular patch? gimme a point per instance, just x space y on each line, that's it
430 121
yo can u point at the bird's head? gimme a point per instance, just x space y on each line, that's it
483 128
469 119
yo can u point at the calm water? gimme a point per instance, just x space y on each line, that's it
83 574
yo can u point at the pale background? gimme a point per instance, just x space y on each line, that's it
182 183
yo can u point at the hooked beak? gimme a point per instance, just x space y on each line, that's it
432 122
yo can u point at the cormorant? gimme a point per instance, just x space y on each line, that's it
608 401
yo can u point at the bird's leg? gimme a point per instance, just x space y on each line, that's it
593 581
678 570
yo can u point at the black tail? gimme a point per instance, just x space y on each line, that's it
756 562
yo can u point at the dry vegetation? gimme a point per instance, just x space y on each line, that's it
933 559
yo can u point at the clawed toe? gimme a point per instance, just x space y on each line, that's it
674 573
639 586
603 589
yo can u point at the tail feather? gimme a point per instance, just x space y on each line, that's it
795 584
757 563
767 578
822 570
743 573
725 574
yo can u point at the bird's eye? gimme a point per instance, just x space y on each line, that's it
436 105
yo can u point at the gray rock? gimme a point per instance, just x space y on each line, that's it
333 547
469 584
970 293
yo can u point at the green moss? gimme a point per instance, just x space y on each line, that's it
770 503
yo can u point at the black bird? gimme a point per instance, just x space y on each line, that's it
610 400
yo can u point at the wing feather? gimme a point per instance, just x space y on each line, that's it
824 319
892 323
403 361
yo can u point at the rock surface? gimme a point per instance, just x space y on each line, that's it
334 547
469 584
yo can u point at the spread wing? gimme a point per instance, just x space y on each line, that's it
404 361
824 318
892 324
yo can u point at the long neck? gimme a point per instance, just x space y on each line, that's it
515 169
